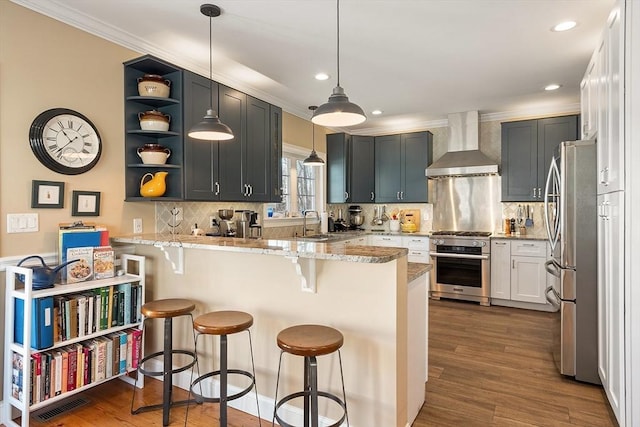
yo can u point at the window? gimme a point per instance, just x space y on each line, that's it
302 187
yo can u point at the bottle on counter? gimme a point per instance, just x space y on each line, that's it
507 226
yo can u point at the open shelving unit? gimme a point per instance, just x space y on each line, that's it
17 407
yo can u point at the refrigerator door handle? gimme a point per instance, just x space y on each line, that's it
552 297
550 191
555 270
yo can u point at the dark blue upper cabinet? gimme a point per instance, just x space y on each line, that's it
401 161
338 160
527 149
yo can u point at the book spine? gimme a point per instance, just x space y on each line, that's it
100 369
86 377
73 369
46 384
137 348
37 357
58 377
108 364
110 308
65 370
129 350
80 366
123 352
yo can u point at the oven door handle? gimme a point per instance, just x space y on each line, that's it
436 254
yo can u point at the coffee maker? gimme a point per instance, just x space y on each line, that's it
227 226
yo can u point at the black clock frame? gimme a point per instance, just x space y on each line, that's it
36 141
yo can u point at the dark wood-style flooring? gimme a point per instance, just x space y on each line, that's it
488 366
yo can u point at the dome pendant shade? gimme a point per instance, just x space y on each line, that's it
338 111
313 159
211 128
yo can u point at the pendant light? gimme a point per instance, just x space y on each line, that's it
211 128
338 111
313 159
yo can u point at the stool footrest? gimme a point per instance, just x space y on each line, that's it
173 370
324 394
148 408
200 398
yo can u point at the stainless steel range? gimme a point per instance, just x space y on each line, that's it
461 265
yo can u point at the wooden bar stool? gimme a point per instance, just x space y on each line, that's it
166 309
223 323
310 341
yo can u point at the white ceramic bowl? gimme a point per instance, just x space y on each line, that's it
156 125
153 157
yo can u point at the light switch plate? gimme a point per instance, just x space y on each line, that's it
22 223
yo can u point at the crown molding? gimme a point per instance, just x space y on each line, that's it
60 11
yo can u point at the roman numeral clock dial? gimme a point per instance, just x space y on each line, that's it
65 141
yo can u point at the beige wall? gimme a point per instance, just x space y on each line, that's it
46 64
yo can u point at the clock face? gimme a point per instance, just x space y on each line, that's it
65 141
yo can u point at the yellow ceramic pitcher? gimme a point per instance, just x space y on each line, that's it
155 187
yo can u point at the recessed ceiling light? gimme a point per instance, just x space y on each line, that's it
376 112
552 87
322 76
564 26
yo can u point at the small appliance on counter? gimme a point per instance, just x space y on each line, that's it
227 226
356 217
244 222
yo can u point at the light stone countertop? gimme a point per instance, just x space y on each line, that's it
332 250
415 270
519 237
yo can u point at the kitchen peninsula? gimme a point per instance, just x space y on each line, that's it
371 294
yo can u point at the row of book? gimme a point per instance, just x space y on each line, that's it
65 317
64 369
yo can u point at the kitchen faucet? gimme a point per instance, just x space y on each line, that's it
304 222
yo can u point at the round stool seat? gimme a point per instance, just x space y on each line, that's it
223 322
164 308
310 340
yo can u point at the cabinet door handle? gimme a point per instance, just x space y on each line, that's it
539 193
250 190
398 195
534 192
500 243
217 184
346 196
513 264
402 195
372 196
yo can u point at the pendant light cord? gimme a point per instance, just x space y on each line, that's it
210 61
338 38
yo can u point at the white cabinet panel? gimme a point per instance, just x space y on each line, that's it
611 300
528 278
501 269
382 240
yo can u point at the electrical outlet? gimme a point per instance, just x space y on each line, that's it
212 220
137 225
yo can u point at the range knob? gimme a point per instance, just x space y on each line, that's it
474 243
441 241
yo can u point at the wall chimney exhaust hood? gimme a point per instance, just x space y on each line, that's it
463 157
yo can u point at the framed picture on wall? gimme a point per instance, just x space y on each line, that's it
85 203
47 194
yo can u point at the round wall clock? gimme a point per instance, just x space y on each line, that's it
65 141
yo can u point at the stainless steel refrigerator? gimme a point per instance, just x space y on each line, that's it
571 223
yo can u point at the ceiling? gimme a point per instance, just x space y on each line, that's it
417 60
